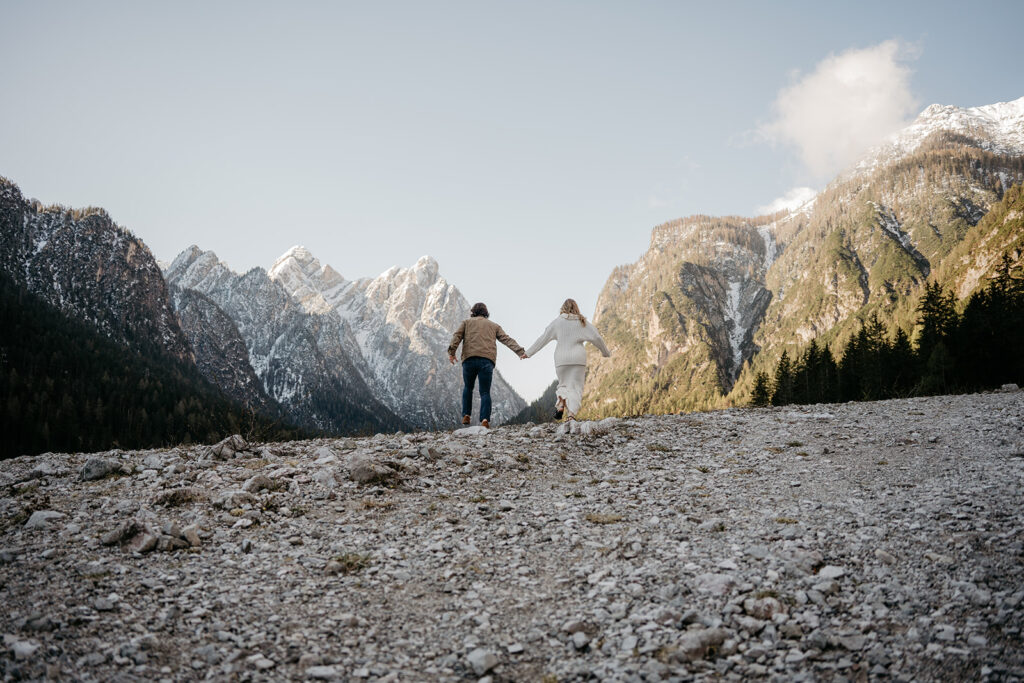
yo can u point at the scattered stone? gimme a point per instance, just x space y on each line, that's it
668 547
694 645
364 470
259 482
471 431
481 660
323 673
831 572
191 534
21 649
230 447
763 608
718 584
41 519
886 557
99 468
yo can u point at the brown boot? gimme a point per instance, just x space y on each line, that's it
465 419
485 423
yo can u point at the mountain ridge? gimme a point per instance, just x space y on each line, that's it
693 319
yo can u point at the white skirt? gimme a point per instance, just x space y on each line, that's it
570 386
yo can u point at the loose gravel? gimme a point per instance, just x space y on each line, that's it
830 542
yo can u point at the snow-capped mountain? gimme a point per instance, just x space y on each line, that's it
220 352
996 128
297 355
396 328
88 267
715 299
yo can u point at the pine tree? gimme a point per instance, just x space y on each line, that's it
783 393
762 395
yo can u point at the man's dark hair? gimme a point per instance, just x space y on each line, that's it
478 310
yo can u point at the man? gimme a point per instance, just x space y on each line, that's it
478 334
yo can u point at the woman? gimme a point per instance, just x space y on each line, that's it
478 335
570 330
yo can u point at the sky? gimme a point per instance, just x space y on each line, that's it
529 147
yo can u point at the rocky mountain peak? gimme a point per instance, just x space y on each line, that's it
396 328
303 276
998 128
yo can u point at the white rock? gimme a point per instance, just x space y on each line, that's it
482 660
471 431
40 519
831 572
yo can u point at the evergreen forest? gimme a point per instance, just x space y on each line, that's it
954 351
66 387
540 411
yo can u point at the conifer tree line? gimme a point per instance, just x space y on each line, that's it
953 351
65 387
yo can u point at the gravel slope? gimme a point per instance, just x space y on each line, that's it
827 542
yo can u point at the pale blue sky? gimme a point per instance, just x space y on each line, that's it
529 147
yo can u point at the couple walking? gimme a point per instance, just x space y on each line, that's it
478 335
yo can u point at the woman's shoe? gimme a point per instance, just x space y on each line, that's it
559 413
465 419
486 424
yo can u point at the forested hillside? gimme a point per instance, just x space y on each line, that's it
67 387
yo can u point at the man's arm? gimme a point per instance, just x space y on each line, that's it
510 343
456 340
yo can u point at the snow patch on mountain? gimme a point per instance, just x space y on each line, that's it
997 127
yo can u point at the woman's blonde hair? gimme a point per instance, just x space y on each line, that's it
571 307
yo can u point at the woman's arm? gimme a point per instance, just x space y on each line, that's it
597 340
542 341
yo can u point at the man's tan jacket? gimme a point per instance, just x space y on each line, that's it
477 336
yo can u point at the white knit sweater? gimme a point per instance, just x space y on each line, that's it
566 329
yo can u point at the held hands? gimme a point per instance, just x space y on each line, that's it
451 359
523 356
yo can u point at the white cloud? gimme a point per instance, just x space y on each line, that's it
790 201
849 103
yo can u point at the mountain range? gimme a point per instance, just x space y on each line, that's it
716 299
713 301
336 355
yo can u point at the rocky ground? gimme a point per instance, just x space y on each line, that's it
828 542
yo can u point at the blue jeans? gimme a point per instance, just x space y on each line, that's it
473 368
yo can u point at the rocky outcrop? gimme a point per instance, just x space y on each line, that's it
681 320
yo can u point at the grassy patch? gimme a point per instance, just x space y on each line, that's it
352 563
602 518
703 468
382 505
794 444
26 489
178 497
